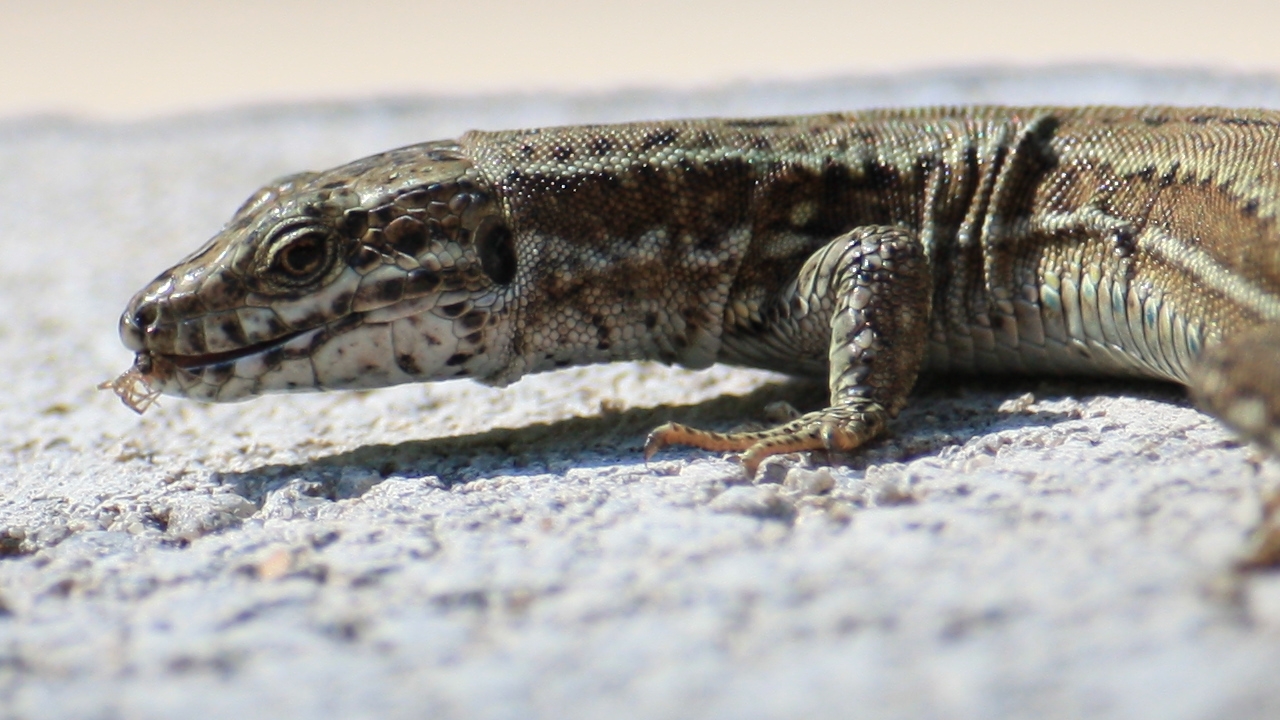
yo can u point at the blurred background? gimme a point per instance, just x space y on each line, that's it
141 58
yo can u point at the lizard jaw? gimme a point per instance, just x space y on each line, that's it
223 376
195 363
359 351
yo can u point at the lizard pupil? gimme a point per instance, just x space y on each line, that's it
303 256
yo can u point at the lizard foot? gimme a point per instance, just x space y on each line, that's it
871 289
841 428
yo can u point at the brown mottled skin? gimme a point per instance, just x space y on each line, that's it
865 247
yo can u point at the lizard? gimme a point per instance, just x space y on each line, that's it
863 247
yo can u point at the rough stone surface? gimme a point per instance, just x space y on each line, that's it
1018 548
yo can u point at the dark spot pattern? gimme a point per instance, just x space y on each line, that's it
406 235
659 138
232 332
421 281
408 364
601 146
474 319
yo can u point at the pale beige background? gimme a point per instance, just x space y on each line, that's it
134 58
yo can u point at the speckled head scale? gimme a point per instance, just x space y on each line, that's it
386 270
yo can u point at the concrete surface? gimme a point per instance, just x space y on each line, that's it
1017 549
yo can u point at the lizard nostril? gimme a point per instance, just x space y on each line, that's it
145 316
135 323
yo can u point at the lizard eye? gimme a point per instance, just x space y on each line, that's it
300 255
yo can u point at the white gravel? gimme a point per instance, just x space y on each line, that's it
1017 549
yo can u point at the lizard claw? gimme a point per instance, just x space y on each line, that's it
657 440
840 428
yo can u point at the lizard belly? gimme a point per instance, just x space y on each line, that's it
1071 318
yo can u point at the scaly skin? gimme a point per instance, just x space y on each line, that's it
864 247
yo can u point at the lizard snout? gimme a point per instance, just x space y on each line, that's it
139 318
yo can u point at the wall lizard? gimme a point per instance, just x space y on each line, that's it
863 247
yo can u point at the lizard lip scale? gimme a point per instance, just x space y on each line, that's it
863 247
212 377
134 324
193 363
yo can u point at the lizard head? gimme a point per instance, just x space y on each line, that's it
388 270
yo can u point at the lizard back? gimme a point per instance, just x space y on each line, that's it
1089 240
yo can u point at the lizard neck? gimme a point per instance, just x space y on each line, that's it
653 297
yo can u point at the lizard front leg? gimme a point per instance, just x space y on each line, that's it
874 287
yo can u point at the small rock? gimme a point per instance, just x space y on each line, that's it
85 548
275 565
755 501
890 494
772 473
192 517
299 498
802 482
1020 404
355 482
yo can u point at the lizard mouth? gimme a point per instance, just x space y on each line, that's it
192 363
